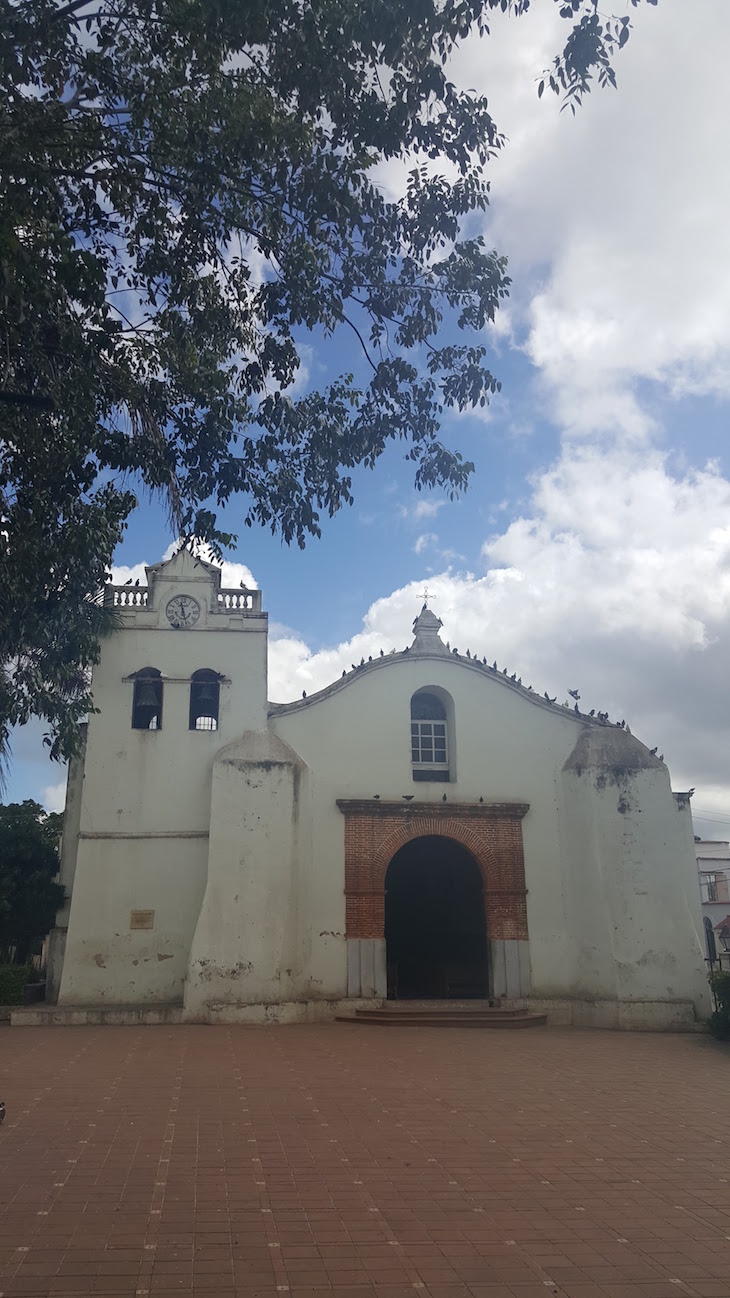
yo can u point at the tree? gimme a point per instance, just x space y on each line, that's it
188 188
29 898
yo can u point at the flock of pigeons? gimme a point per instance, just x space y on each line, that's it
601 717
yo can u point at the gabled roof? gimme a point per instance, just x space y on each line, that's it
428 645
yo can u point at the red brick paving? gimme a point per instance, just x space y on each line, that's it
363 1162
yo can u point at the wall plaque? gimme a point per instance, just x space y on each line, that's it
141 919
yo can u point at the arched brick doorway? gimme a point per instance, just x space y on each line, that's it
435 931
490 832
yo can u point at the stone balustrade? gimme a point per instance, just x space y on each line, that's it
126 596
248 600
131 597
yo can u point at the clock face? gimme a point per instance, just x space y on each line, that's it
182 611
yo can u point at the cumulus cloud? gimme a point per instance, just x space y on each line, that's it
613 219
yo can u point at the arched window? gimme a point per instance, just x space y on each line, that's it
147 700
204 700
429 737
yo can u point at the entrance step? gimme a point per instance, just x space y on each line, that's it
440 1015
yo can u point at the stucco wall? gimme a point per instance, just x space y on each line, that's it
108 961
252 942
631 898
507 749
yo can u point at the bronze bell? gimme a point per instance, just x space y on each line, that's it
148 694
207 692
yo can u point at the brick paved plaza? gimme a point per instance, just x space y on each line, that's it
358 1161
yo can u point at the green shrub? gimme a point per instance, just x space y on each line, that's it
719 1022
13 978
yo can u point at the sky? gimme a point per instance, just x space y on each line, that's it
592 550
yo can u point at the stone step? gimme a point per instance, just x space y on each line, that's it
446 1018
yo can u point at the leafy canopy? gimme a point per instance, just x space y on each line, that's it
188 189
29 898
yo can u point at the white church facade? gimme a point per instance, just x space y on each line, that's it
425 827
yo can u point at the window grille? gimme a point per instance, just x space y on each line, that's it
429 738
204 700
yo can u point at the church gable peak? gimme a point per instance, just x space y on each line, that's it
184 566
426 629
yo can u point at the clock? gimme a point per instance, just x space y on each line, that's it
182 611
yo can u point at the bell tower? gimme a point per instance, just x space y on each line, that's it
182 676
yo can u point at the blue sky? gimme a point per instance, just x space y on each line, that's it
593 549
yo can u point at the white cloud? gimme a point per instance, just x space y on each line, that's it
135 572
614 220
54 796
425 542
420 509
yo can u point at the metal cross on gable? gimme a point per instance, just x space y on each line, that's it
425 595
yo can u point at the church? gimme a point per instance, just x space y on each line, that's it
424 829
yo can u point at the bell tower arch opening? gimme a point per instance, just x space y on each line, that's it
435 928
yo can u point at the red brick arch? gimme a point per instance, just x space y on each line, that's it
491 832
